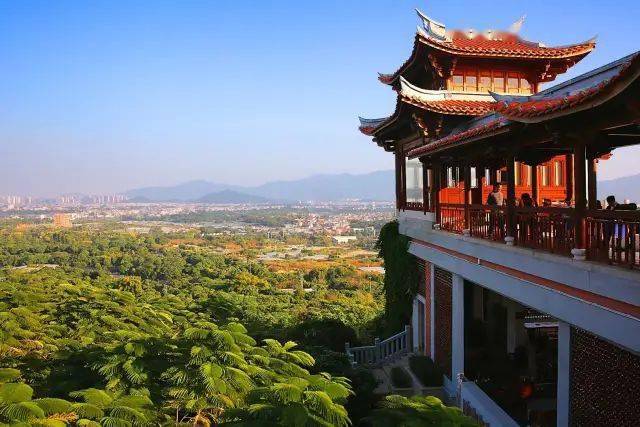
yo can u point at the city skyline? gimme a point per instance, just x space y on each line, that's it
101 98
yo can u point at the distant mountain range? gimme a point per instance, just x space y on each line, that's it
627 187
377 186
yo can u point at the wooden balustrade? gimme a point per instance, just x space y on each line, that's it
613 237
452 217
548 229
487 222
381 351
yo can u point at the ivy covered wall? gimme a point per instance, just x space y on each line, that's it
401 276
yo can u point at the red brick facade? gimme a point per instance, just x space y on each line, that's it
427 309
443 309
604 383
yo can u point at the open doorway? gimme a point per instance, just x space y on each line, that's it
511 352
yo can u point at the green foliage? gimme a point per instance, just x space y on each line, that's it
416 411
110 328
426 370
401 276
400 378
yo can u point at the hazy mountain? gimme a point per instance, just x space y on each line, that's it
374 186
187 191
230 196
371 186
627 187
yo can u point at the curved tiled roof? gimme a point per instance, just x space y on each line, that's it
484 126
502 44
369 126
453 107
488 44
446 102
588 90
585 91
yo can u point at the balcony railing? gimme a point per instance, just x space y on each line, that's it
452 217
547 229
612 237
487 222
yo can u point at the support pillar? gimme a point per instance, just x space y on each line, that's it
592 190
403 182
467 189
569 181
432 315
398 156
425 187
535 191
457 329
435 191
579 169
564 366
511 200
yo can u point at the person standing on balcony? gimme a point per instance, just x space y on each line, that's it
495 198
526 201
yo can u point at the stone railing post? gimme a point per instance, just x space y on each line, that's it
377 354
347 349
408 338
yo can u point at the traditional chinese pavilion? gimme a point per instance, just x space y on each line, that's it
545 286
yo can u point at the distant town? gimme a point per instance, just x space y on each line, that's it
345 221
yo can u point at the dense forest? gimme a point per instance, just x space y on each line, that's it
99 326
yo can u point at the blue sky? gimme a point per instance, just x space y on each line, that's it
104 96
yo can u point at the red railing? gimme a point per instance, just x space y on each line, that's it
547 229
452 217
613 237
487 222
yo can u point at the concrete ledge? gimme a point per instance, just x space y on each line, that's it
616 327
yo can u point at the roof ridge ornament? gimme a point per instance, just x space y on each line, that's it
517 26
432 28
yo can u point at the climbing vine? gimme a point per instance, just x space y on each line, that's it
401 276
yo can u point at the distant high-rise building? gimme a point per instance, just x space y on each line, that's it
62 220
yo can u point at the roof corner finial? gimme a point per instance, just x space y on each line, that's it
516 26
433 28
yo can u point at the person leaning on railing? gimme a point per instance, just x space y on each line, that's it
495 198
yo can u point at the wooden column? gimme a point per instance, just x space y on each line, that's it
535 191
398 156
511 200
435 189
568 176
579 170
425 187
403 179
467 189
592 190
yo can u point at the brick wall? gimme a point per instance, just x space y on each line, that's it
427 308
442 327
604 383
